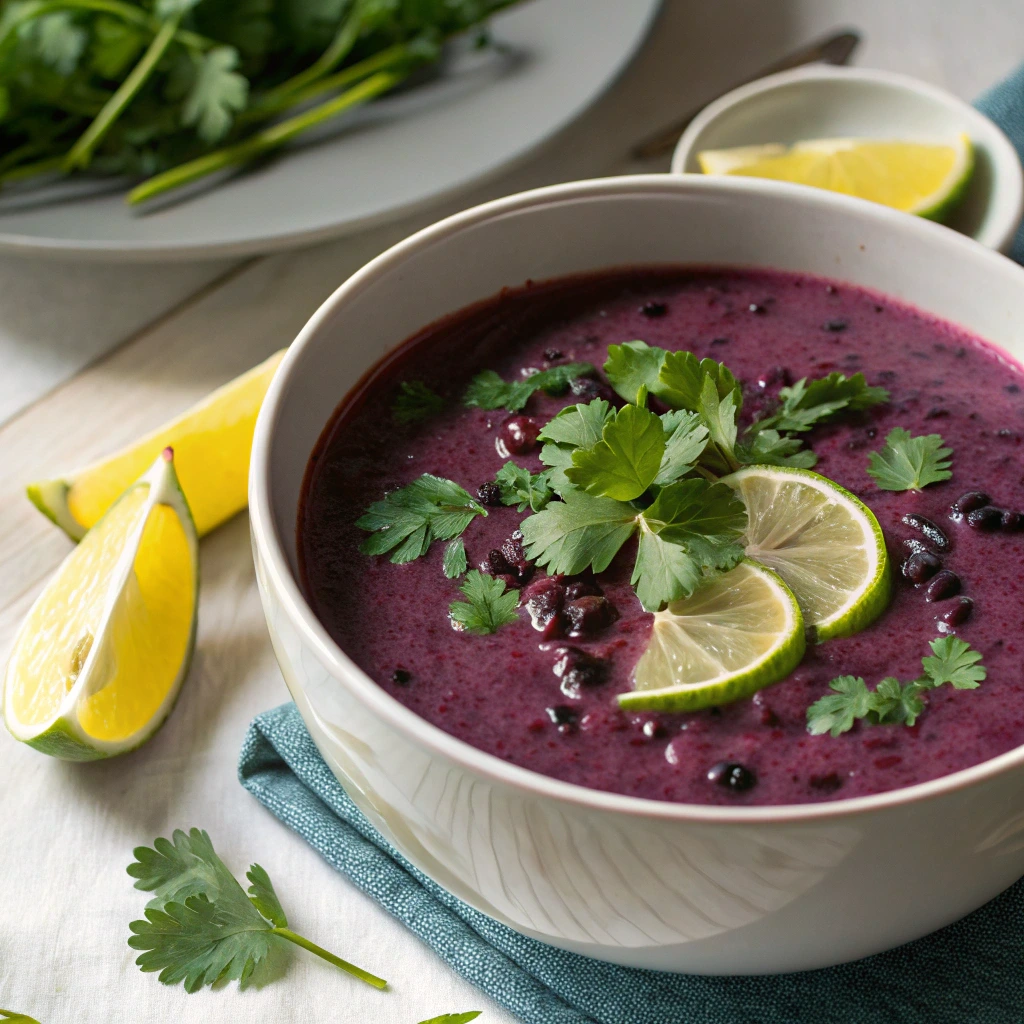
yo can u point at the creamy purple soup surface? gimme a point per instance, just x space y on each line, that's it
494 691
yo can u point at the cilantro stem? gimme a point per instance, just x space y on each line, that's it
51 163
264 141
81 152
358 972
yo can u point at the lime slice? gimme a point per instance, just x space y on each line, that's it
102 654
824 542
924 178
738 633
211 441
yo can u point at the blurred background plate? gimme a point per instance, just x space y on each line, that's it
484 112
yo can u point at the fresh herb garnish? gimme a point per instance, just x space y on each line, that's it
201 926
770 448
454 559
488 605
406 522
415 402
908 463
454 1018
806 405
686 437
632 366
488 391
522 488
892 702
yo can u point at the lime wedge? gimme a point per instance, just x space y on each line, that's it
738 633
102 654
923 178
824 542
211 443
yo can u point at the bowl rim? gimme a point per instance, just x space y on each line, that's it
1008 174
277 576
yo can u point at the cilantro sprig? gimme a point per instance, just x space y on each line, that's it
201 926
891 702
522 488
806 405
488 605
908 463
488 390
407 521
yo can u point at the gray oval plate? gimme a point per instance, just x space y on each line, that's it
484 111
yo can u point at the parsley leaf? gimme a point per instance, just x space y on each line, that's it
719 414
57 39
454 1018
454 559
686 439
488 391
953 661
578 426
415 402
408 520
770 448
522 488
895 703
583 530
909 463
805 405
202 927
836 712
218 92
633 365
624 463
682 377
488 605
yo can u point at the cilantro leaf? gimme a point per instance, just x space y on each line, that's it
719 415
558 460
406 522
454 1018
522 488
770 448
836 712
415 402
663 571
454 559
218 92
953 661
201 926
624 463
894 703
909 463
58 41
686 439
115 46
488 391
805 405
681 381
488 605
633 365
578 426
581 531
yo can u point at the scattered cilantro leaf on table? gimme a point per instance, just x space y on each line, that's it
454 559
522 488
892 702
406 522
624 463
909 463
489 391
415 402
488 605
454 1018
805 405
201 926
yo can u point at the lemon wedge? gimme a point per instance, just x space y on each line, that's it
740 632
924 178
212 442
825 543
102 654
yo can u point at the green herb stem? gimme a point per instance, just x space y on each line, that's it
358 972
81 152
15 174
264 141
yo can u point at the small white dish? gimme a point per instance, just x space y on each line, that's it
830 102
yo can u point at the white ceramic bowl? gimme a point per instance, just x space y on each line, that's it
830 102
647 883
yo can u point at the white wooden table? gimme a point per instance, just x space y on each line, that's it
90 356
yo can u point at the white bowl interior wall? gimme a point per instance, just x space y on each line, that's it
638 882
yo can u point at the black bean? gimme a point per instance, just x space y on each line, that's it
401 677
967 503
986 518
543 601
552 354
939 541
719 341
589 614
960 612
826 783
756 307
577 670
921 566
489 493
942 585
1012 521
654 309
564 717
732 776
580 588
834 326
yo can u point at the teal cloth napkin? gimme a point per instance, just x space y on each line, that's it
969 973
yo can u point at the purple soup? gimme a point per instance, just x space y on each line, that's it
503 692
